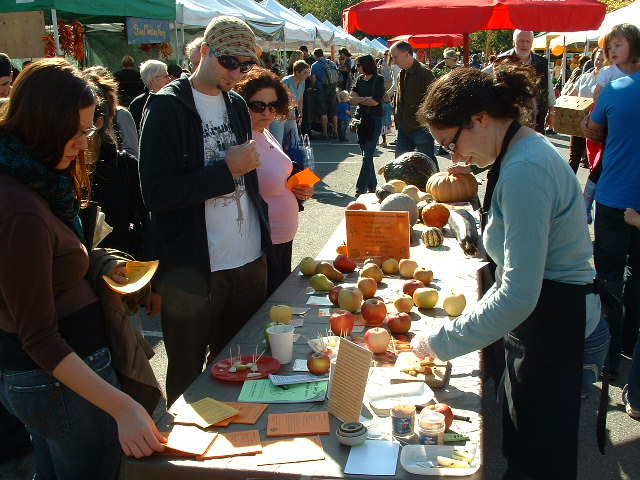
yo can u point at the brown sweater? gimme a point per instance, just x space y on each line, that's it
42 269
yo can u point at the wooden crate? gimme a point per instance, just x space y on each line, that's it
570 112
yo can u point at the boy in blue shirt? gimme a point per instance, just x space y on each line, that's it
344 115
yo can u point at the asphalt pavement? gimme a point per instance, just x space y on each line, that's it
338 165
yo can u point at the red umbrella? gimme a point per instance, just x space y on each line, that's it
433 40
388 17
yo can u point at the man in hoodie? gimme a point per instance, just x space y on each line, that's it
209 222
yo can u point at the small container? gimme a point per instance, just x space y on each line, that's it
403 420
431 431
352 434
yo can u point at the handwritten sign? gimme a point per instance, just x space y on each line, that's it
378 234
147 30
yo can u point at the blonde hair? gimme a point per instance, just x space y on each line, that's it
343 96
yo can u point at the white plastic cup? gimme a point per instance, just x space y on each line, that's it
332 368
281 342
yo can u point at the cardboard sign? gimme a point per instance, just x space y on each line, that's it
570 112
378 234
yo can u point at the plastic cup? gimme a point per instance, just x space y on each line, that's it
281 342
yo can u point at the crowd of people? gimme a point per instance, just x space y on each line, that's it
188 167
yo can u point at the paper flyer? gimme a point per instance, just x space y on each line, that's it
263 391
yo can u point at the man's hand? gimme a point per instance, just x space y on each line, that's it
592 130
243 158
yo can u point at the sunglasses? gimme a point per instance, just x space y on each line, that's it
452 145
230 62
258 106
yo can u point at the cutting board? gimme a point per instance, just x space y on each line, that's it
436 379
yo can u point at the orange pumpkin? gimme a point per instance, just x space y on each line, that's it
435 215
447 187
342 249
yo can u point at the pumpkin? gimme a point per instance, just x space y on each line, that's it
435 215
399 202
413 168
342 249
432 237
447 187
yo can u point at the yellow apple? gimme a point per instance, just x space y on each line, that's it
454 304
406 267
281 314
425 297
424 275
371 270
403 303
390 266
307 266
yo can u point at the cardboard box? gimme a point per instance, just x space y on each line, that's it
570 111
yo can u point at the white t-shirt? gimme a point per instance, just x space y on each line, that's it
609 74
233 228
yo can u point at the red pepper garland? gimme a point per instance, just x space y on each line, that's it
71 39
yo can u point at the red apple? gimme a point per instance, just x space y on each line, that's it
399 322
344 264
318 363
444 409
374 311
377 339
350 298
410 286
356 206
368 287
333 294
342 322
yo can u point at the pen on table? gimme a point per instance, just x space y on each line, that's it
461 417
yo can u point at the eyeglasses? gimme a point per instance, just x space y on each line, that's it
452 145
258 106
88 132
164 75
230 62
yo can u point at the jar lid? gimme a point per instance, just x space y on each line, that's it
431 420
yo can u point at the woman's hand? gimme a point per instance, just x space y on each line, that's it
138 435
119 274
421 346
303 192
458 168
153 304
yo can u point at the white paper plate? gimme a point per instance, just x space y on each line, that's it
424 453
384 398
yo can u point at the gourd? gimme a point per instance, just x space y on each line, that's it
399 202
384 190
412 191
447 187
435 215
413 168
432 237
463 226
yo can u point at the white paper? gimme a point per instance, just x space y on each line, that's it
315 300
300 365
373 457
297 322
293 379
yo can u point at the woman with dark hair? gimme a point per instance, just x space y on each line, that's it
56 368
268 98
367 93
542 303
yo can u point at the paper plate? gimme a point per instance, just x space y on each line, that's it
266 366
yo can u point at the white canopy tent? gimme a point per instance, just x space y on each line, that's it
379 46
344 39
325 34
297 30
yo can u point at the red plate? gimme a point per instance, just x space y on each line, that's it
266 365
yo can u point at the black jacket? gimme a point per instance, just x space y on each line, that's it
175 184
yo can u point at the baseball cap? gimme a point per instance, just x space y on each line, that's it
451 54
231 36
5 65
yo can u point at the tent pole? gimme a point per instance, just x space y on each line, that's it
467 46
175 31
56 38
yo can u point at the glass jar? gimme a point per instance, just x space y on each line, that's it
403 420
431 431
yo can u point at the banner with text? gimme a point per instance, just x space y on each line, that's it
147 30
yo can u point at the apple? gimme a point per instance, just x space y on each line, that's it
399 322
410 286
333 294
371 270
266 336
374 311
344 264
342 322
375 260
281 314
350 298
404 303
424 275
318 363
406 267
356 206
454 304
307 266
377 339
425 297
390 266
368 287
444 409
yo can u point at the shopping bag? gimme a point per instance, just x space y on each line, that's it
291 146
309 161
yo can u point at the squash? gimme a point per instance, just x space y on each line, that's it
397 184
435 215
384 190
447 187
342 249
432 237
412 191
399 202
413 168
463 226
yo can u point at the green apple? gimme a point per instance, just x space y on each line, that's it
425 297
266 327
281 314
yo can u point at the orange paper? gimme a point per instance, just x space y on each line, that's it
378 234
299 423
233 444
249 413
293 450
189 439
306 177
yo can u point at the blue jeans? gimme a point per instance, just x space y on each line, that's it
342 128
596 346
616 254
420 140
367 179
72 438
